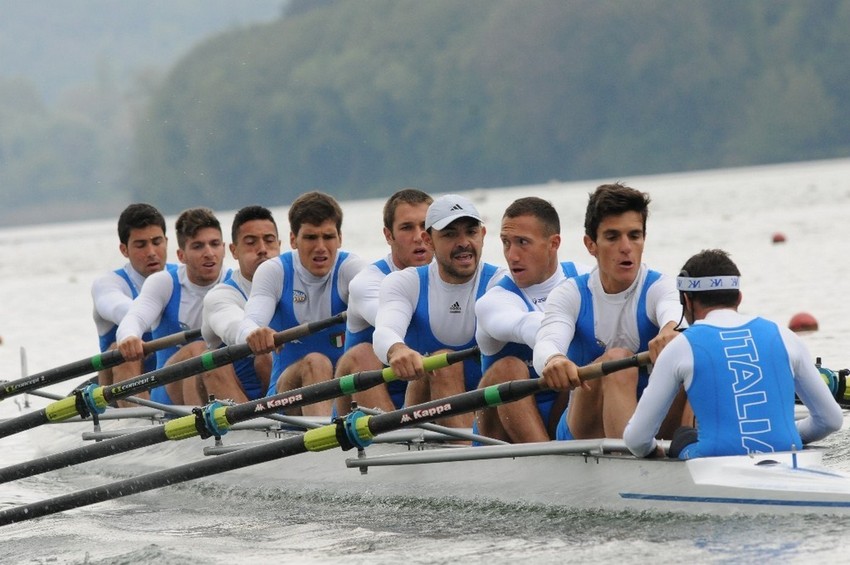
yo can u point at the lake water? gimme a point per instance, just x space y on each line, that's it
45 308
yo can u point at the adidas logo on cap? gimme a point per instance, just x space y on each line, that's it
446 209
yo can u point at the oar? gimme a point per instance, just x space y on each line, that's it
97 398
216 419
355 430
100 361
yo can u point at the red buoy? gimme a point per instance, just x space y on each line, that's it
779 237
803 322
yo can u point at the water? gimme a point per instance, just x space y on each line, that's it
46 273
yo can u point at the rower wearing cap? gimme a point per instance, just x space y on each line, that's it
740 374
431 308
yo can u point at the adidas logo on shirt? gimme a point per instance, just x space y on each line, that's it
455 309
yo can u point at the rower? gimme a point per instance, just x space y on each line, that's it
142 240
404 224
740 373
171 301
509 315
305 285
618 309
254 240
431 308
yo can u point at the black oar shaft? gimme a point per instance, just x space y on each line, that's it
319 439
209 360
102 396
186 426
334 388
211 466
489 396
83 454
206 361
98 362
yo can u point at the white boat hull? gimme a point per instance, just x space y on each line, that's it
581 474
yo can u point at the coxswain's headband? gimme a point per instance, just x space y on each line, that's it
701 284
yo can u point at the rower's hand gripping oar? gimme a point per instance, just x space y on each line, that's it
355 430
216 419
95 399
98 362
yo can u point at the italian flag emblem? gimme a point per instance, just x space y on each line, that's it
338 340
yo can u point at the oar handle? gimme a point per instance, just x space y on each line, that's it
596 370
179 338
487 397
207 361
307 328
346 384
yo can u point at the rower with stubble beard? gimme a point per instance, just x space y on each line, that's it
431 309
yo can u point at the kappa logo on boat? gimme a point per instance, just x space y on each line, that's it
278 402
299 296
427 412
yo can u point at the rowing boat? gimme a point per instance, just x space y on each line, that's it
581 474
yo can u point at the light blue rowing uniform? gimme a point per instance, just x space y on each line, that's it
421 338
744 398
169 323
585 348
328 341
108 338
523 352
396 388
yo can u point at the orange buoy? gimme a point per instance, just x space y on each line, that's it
803 322
779 237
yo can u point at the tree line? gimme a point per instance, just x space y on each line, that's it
359 98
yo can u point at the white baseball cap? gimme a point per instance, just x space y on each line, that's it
448 208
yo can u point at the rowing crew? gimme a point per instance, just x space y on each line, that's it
539 318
